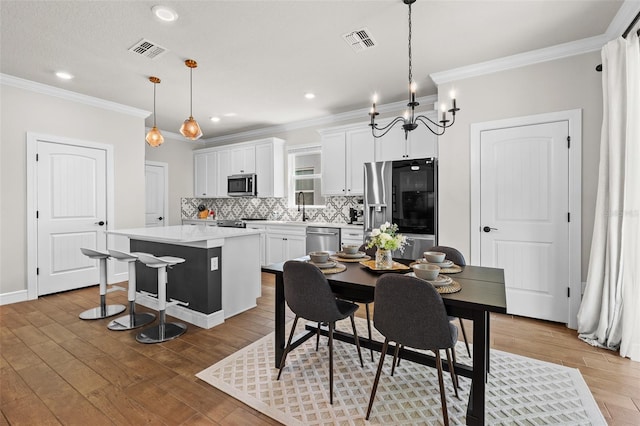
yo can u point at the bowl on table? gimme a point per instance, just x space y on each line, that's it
350 248
426 271
319 256
434 256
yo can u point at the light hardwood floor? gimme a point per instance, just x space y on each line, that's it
58 369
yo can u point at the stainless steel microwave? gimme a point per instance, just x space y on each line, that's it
242 185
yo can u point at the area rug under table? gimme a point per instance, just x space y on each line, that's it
520 390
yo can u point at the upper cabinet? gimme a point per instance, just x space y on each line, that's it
344 152
264 157
420 143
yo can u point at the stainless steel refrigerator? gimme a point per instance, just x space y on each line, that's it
403 192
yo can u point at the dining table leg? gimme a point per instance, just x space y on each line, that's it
280 319
476 407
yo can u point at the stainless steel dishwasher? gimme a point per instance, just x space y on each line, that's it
323 238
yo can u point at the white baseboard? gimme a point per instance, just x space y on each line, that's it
14 297
183 313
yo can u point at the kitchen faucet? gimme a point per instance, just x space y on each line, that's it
304 215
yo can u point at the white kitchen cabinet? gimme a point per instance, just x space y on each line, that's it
420 143
205 166
263 241
269 159
285 243
351 235
344 152
243 160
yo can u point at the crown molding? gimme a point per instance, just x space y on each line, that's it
314 122
45 89
522 59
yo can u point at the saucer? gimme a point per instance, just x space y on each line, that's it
326 265
445 264
357 255
440 281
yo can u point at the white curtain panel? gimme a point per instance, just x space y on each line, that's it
609 315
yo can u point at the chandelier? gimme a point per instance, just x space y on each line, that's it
410 120
154 137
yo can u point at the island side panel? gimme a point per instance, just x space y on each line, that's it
193 281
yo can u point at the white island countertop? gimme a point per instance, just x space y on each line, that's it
197 236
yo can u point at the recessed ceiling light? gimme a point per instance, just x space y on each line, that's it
164 13
309 95
230 114
215 119
64 75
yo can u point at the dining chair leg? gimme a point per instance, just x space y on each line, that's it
454 376
331 326
318 336
443 398
399 356
366 307
355 335
288 347
453 357
377 379
395 356
464 334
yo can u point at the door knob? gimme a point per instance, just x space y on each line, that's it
160 218
488 229
100 223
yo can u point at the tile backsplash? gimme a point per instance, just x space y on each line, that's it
336 209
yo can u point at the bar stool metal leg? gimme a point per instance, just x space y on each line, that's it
134 319
104 310
164 330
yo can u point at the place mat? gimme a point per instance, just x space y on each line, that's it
338 268
396 267
452 270
454 287
342 259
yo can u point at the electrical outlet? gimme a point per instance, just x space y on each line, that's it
214 263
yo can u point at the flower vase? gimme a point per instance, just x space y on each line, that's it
383 259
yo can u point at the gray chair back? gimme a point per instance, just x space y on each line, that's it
369 251
411 312
308 292
452 254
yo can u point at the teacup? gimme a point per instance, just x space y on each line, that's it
426 271
350 248
319 256
434 256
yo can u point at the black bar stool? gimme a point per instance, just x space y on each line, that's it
104 310
164 330
134 319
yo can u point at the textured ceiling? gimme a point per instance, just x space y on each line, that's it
258 58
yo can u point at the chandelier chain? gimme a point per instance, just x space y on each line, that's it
154 104
410 73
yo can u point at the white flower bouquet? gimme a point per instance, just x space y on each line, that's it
387 238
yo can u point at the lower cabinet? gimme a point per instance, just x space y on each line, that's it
284 243
263 242
350 235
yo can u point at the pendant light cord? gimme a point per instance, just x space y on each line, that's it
154 104
410 73
191 92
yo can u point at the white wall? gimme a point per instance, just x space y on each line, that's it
25 111
177 152
559 85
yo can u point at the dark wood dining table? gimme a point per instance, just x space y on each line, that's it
482 291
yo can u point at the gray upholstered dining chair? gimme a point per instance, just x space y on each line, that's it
309 296
456 257
411 313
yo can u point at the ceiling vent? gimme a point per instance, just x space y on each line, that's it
148 49
359 40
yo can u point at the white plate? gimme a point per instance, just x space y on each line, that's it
445 264
357 255
440 281
327 265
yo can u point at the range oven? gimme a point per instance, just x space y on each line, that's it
242 185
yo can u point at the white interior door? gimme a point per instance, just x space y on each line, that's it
524 205
155 193
72 213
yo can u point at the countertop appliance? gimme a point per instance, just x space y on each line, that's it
236 223
403 192
356 216
323 239
242 185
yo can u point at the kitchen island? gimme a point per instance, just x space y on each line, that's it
219 278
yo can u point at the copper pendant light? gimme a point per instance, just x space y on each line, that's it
190 128
154 137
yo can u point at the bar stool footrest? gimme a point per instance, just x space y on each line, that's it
146 293
129 322
99 313
174 302
156 335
